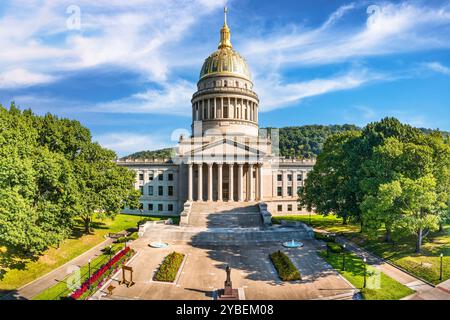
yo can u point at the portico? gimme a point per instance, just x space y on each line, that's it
225 181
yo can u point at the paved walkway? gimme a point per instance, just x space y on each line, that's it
33 288
204 272
424 291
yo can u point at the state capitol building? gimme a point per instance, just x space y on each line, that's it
227 158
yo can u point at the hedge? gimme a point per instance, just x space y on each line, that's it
323 237
168 269
285 268
335 247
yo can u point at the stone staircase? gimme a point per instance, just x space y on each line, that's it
225 215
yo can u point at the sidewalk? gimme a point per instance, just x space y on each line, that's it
33 288
421 287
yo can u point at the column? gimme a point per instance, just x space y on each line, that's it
284 183
231 182
200 182
210 181
294 183
240 184
219 182
260 182
190 182
250 182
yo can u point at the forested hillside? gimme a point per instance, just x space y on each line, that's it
299 141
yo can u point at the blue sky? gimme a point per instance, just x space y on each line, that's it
127 69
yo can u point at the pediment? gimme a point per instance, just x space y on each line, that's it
228 148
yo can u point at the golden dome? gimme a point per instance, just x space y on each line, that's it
225 60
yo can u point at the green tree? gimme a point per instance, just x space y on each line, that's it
330 187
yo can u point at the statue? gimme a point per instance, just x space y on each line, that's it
228 293
228 284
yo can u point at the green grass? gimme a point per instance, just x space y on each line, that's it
389 289
425 265
168 269
61 289
330 223
284 266
77 244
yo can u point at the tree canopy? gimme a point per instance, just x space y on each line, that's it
51 173
389 174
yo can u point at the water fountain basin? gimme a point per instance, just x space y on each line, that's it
159 244
292 244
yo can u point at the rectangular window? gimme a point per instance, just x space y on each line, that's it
299 177
150 190
160 191
141 176
289 177
141 189
279 191
160 207
161 176
150 207
299 189
289 191
280 208
299 207
170 177
279 177
150 176
170 191
289 207
141 206
170 207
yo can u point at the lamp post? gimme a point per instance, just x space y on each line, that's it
89 273
365 272
343 257
440 271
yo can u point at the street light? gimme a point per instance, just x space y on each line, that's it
365 272
89 268
440 271
343 257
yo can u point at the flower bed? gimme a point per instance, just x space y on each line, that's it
285 268
168 269
99 277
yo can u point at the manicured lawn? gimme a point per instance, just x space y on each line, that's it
425 265
330 223
68 250
378 288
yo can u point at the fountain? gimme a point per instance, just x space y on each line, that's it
159 244
292 244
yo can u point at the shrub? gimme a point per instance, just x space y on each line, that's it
168 269
131 237
323 237
335 247
285 268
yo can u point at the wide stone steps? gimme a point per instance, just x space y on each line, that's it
227 236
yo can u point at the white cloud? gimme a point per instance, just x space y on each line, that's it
125 143
14 78
437 67
133 34
173 98
389 29
276 94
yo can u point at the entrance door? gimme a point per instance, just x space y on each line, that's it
226 190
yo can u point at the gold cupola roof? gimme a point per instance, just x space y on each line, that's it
225 61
